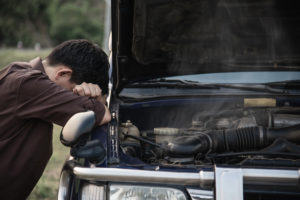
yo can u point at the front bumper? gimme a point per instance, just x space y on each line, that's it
225 183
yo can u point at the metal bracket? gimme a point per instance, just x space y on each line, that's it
113 138
229 183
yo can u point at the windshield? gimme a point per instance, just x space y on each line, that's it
240 77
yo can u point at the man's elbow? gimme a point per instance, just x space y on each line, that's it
106 117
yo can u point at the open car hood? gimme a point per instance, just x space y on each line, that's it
158 38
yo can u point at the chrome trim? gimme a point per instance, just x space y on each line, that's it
145 176
207 178
272 176
269 176
197 194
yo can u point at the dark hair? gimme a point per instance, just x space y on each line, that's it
88 62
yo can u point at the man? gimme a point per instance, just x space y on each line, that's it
36 94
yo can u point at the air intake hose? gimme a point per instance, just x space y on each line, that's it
242 139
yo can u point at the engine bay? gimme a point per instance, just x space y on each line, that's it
196 133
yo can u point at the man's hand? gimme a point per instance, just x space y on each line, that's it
94 91
88 89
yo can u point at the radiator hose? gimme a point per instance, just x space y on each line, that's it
236 140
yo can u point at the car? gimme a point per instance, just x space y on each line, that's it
205 104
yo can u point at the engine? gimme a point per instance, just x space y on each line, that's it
212 137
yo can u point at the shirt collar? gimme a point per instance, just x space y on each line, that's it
37 64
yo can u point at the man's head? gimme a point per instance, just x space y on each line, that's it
77 61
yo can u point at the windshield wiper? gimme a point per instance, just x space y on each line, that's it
254 87
171 83
285 84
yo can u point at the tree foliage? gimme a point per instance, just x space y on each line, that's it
79 19
50 22
20 19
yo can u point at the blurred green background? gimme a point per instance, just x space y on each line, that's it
50 22
31 28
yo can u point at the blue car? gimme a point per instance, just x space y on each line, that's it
205 105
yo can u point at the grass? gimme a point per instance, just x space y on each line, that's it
10 55
47 187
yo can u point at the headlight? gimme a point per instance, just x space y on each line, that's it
93 192
134 192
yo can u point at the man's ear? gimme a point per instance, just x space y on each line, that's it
63 73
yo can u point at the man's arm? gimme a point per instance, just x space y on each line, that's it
37 97
106 117
93 91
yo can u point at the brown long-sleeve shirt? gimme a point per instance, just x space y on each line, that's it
29 104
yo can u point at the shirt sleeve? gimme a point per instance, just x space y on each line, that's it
38 97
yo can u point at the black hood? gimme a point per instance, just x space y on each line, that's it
157 38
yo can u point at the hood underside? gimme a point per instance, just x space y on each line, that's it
156 38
